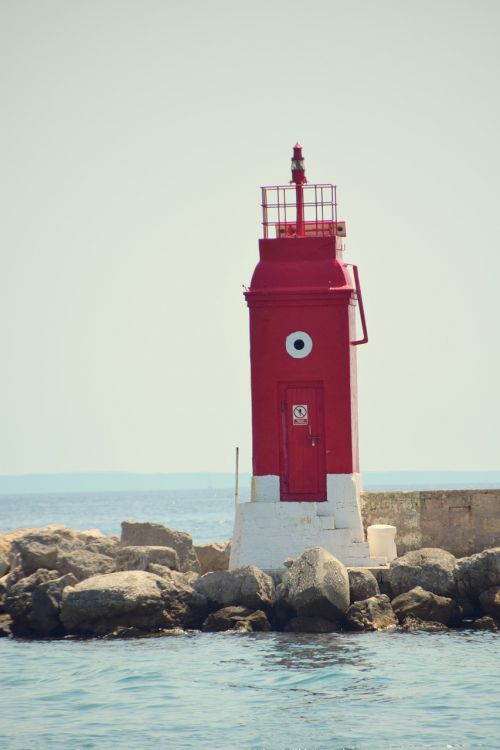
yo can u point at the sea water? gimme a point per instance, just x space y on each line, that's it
276 691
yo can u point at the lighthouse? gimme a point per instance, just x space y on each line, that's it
303 302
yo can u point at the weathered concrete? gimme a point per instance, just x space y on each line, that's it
460 521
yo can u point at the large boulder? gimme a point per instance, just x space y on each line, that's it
374 613
139 558
490 602
316 585
40 548
46 602
83 563
19 600
83 554
429 567
362 584
184 606
100 604
476 573
213 556
236 618
247 586
143 534
424 605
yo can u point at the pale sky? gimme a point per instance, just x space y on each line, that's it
134 139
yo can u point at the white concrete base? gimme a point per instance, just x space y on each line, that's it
266 533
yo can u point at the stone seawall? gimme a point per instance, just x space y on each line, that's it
460 521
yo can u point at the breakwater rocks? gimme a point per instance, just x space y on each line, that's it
56 582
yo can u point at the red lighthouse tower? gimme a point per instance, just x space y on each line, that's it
303 304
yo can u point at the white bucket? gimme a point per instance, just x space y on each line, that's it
381 541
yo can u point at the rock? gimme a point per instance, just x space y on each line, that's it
46 605
311 625
236 618
139 534
429 567
4 566
164 572
96 542
374 613
40 548
5 626
59 548
413 624
362 584
213 556
248 587
139 558
424 605
19 600
6 539
485 623
316 585
490 602
99 605
184 605
84 564
476 573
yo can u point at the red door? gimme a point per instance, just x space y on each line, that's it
303 475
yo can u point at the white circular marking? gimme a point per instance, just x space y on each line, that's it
299 344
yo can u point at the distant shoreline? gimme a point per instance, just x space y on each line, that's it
373 481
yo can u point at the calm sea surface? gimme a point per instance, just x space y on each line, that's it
216 691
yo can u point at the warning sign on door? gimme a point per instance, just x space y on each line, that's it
299 413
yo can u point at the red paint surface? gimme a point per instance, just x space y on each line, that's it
301 284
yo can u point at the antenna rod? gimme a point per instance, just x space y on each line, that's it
299 178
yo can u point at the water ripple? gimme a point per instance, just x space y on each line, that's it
262 692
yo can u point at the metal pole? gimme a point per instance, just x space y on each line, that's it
237 482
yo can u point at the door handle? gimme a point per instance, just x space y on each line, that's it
313 438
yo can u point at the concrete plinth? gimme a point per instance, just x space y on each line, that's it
266 533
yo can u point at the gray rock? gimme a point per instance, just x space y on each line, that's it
476 573
5 626
248 587
59 548
316 585
490 602
362 584
429 567
139 558
428 626
374 613
19 600
100 604
40 548
84 564
213 556
311 625
143 534
46 605
485 623
4 566
237 618
424 605
184 606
